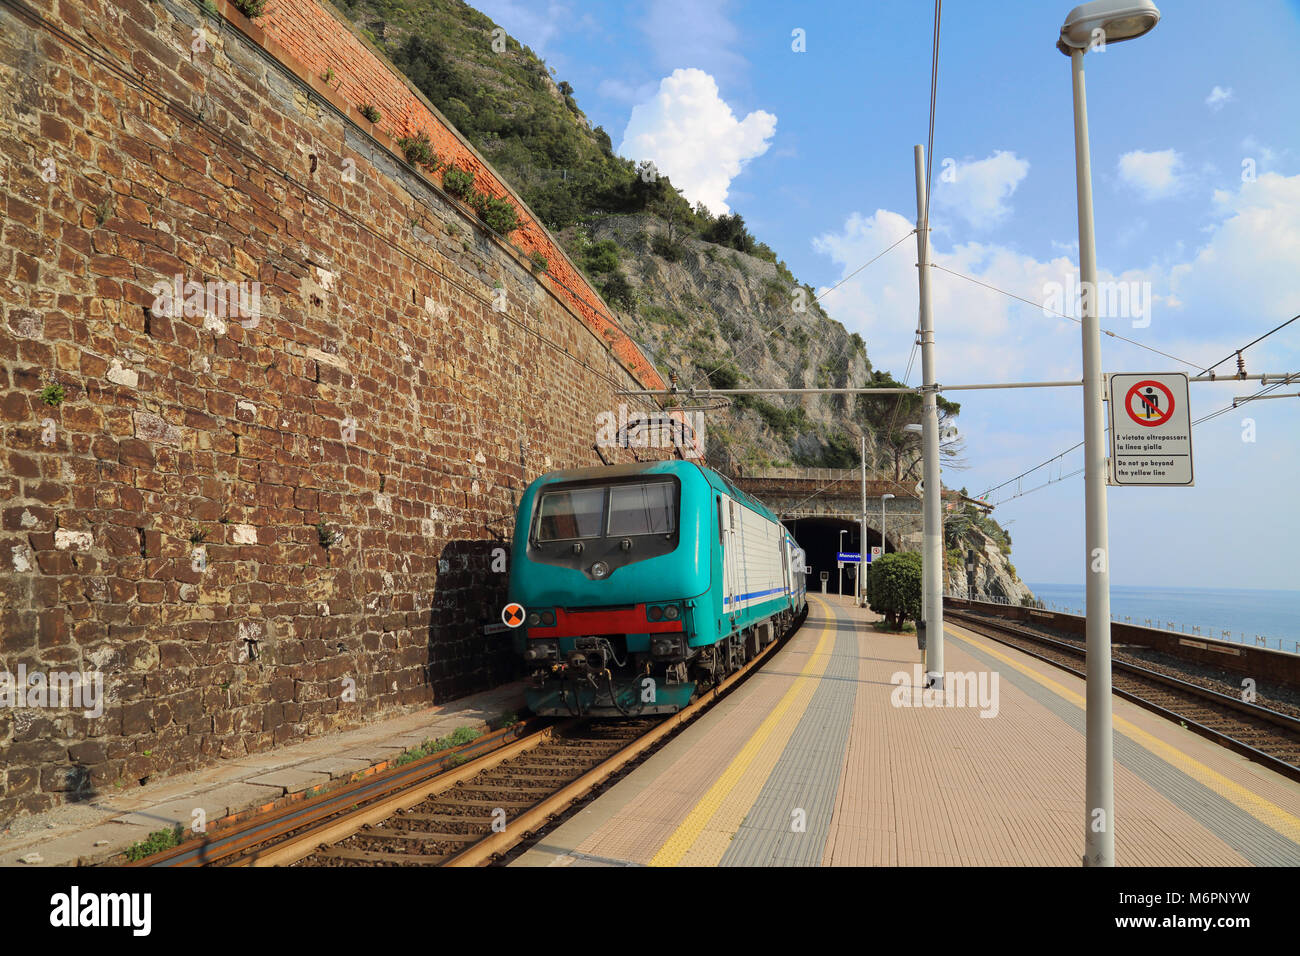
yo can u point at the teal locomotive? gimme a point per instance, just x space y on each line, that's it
644 582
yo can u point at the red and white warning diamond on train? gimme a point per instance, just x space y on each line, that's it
512 615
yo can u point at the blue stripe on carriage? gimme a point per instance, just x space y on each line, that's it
756 594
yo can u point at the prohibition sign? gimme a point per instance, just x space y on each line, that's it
1152 413
512 614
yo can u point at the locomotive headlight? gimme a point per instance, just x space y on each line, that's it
655 613
671 612
534 619
599 570
548 618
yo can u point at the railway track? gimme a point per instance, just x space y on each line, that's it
1259 733
463 807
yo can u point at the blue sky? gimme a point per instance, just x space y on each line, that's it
1195 134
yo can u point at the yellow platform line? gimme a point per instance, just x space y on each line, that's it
711 805
1266 812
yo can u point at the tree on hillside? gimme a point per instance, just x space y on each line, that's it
894 587
890 417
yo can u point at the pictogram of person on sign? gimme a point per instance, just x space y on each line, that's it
1150 403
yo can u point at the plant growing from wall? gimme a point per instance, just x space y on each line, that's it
328 75
417 149
539 261
369 112
250 8
499 215
459 183
103 211
325 536
53 394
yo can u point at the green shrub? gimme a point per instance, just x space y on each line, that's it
370 113
156 842
459 182
417 149
599 258
894 587
618 291
663 247
725 376
251 8
499 215
53 394
539 261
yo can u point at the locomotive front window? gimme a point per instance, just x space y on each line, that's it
648 507
576 513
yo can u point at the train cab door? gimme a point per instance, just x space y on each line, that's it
785 569
727 540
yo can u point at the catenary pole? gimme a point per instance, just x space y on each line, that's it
932 497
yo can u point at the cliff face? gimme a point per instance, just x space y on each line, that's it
710 314
995 575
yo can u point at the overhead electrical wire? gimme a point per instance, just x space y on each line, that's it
1078 471
1077 321
1234 352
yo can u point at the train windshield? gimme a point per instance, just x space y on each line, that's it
576 513
617 510
643 508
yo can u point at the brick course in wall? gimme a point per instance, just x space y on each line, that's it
166 523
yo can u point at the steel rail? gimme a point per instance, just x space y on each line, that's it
494 844
1284 721
291 833
240 838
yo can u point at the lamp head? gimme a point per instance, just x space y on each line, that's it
1111 21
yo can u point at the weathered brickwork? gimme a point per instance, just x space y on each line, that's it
314 35
237 517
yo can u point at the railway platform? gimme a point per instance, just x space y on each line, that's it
832 755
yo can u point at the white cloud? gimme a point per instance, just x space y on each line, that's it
1155 175
978 190
692 136
1246 276
1218 97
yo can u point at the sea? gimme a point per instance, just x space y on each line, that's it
1258 617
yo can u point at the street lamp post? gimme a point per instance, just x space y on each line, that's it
1094 25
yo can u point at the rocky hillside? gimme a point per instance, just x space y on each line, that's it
713 315
709 303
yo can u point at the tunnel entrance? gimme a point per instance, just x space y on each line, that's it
820 539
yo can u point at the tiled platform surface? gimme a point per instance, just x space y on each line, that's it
812 763
99 828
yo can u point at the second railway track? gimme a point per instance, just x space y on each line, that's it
1259 733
